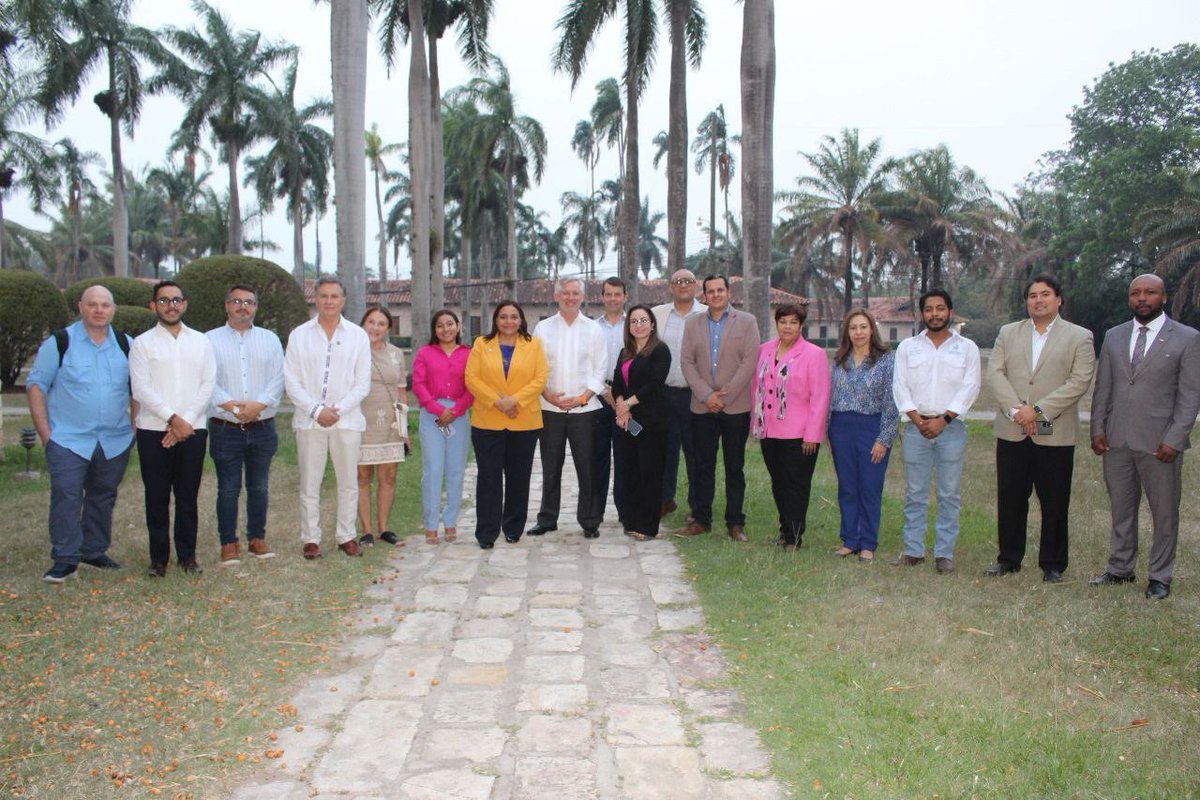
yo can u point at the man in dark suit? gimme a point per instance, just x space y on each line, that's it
1039 369
1146 400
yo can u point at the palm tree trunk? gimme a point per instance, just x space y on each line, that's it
298 238
677 136
1 231
848 271
419 163
382 228
468 293
349 26
437 185
712 198
510 196
485 269
631 201
120 220
758 119
234 154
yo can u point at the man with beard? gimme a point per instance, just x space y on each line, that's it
936 379
1145 404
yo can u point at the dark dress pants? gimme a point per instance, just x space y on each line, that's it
166 472
558 428
642 459
679 435
728 432
1022 467
791 471
82 495
504 462
608 447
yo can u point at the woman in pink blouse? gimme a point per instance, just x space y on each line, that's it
439 384
790 403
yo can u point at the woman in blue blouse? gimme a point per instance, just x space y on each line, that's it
862 425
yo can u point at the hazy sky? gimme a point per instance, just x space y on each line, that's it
993 81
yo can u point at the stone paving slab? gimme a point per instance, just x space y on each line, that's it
551 669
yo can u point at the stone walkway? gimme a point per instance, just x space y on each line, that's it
552 669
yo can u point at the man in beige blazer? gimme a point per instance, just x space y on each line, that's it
720 351
1039 369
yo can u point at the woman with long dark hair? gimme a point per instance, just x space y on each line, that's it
862 426
639 401
506 373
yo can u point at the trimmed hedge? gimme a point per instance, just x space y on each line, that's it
281 304
125 292
134 319
30 307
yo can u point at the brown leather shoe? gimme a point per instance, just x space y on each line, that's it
944 565
350 548
905 560
667 508
738 533
229 554
258 548
694 529
312 550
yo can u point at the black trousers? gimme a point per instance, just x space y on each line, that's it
791 473
168 471
679 435
558 428
1022 467
642 459
504 462
729 432
608 454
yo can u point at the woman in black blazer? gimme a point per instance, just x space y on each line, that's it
641 410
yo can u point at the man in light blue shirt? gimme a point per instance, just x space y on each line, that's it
80 404
241 425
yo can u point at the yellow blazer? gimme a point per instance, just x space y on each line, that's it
527 374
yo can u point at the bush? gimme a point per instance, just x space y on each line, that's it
134 319
281 304
125 292
30 307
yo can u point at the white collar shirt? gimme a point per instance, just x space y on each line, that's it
932 380
1155 325
1039 342
171 375
332 372
670 330
614 338
577 354
249 367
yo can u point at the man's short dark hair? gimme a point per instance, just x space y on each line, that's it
241 287
939 292
614 281
164 285
1046 278
707 278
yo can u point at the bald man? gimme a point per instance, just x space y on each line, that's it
1145 404
78 392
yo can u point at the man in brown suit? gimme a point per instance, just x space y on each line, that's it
1039 369
1145 404
720 349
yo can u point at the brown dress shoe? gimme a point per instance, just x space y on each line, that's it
667 508
312 550
350 548
738 533
694 529
229 554
258 548
905 560
944 565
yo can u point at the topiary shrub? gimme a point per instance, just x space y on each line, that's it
133 319
125 292
30 307
281 304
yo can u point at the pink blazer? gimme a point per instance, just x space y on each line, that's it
790 399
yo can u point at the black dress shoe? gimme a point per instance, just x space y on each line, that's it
1106 578
1001 568
1158 590
486 545
1051 576
591 533
540 530
511 539
389 537
158 571
191 567
101 561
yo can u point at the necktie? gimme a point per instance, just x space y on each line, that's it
1139 348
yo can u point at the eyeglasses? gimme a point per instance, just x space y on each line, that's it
171 301
237 301
683 281
640 321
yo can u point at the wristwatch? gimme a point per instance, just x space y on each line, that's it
947 417
237 410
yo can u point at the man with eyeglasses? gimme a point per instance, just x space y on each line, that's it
241 425
670 318
172 372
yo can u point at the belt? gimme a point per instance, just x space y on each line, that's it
680 388
244 426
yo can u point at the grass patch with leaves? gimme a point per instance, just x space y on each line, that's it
876 681
117 685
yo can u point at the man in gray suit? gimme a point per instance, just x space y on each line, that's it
1039 369
1146 400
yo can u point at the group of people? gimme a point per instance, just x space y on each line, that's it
635 388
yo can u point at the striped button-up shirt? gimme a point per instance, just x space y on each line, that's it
249 367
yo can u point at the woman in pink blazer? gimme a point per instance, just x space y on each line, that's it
789 408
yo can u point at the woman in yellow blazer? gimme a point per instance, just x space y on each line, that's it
506 373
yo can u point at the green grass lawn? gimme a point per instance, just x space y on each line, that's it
878 681
115 685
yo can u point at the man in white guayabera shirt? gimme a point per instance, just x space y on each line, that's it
327 373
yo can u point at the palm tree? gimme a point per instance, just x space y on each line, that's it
299 155
1173 233
103 36
650 244
579 27
587 146
181 187
74 164
758 122
27 25
662 144
711 147
23 156
581 214
349 25
512 143
215 74
376 151
687 27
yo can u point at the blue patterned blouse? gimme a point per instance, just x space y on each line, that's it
867 389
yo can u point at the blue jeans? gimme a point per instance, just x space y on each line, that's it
860 483
443 462
947 453
82 495
231 450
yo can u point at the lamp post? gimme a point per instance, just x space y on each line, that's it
29 440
